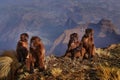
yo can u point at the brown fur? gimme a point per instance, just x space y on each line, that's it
30 62
73 43
74 47
37 50
22 47
88 42
80 53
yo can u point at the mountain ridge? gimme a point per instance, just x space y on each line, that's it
104 35
48 19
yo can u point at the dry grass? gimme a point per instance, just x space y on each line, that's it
106 67
56 72
5 66
105 72
10 53
109 66
103 53
8 64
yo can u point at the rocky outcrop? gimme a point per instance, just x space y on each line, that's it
64 68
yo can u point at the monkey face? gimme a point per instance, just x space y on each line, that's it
89 32
74 37
35 41
24 37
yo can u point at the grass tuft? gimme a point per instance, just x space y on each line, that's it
5 66
105 72
56 72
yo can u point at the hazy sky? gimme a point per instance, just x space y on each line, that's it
39 16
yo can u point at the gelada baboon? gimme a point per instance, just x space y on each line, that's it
73 42
22 47
37 50
74 47
87 42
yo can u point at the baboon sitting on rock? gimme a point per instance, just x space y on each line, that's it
87 42
74 47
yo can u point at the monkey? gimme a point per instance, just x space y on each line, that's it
22 47
74 47
37 50
72 44
87 42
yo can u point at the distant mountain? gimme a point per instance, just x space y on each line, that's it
49 19
104 35
70 23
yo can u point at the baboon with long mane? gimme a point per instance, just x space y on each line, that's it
74 47
22 47
37 50
87 42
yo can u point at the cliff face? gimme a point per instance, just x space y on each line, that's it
49 19
105 34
